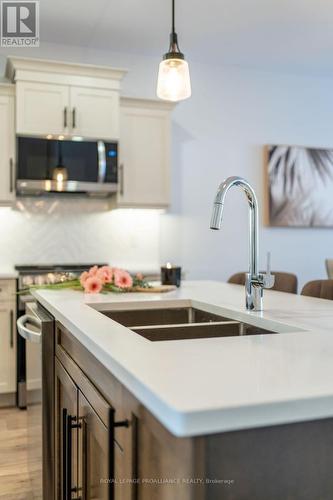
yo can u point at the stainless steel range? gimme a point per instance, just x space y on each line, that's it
37 275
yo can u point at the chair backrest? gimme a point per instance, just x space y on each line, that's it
329 268
322 289
237 279
284 282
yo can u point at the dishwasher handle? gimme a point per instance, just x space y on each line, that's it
25 332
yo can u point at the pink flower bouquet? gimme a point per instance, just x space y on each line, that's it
108 279
102 279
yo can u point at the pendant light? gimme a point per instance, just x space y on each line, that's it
59 173
173 82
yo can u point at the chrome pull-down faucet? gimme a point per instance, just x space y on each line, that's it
255 281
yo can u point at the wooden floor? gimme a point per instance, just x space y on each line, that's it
14 480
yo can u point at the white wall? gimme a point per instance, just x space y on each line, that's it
232 115
220 131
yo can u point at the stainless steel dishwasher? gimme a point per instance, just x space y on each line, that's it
37 327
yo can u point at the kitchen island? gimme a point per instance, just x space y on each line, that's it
237 417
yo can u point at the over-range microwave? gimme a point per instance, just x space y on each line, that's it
66 166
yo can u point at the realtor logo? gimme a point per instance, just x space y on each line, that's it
20 23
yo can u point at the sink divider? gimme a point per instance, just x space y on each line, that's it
186 325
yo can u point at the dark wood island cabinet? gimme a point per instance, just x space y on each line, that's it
110 447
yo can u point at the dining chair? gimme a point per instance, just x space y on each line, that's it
322 289
284 282
329 268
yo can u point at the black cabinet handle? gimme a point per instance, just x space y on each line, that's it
65 117
11 172
74 118
69 458
121 423
82 485
11 335
72 423
111 470
68 424
64 454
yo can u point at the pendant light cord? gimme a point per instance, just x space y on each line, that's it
173 16
173 47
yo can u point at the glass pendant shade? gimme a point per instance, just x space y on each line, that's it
173 82
60 174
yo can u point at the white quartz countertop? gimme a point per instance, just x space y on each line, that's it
212 385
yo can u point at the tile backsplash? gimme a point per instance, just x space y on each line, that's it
58 230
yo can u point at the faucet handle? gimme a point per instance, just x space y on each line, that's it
268 279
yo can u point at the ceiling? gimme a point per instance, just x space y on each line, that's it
290 35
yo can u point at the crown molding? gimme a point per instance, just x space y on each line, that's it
7 88
149 103
17 66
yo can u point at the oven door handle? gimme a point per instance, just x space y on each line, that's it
25 332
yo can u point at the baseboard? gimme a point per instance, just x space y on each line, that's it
8 399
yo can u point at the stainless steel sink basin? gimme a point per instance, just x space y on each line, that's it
170 316
197 331
181 323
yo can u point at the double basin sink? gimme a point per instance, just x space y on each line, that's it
181 323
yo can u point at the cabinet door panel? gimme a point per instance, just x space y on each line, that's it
7 349
66 453
125 482
41 108
7 139
94 113
144 157
96 454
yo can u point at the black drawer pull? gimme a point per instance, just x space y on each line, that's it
121 423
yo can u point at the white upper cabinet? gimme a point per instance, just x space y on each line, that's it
95 112
64 99
7 145
55 98
144 164
41 108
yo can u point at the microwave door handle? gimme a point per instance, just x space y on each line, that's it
101 161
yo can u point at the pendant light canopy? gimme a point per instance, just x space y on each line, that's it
173 82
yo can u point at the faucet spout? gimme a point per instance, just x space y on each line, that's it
217 214
254 280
